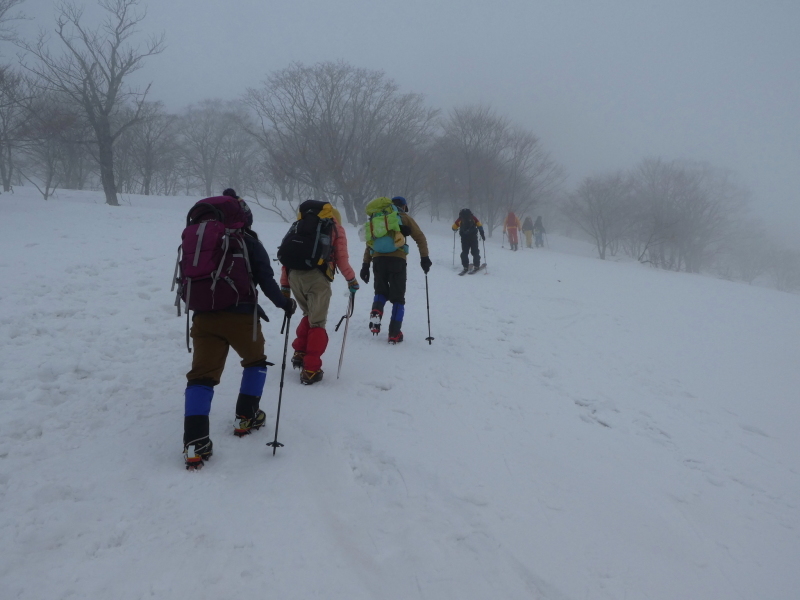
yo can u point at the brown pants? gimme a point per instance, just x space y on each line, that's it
312 290
213 333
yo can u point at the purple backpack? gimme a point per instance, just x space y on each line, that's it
213 268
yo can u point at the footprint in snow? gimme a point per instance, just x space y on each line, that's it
383 387
756 430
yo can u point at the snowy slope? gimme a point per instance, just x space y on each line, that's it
578 429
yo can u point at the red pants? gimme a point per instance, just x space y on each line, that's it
313 341
512 236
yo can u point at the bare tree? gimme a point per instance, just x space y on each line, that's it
341 131
16 95
48 142
491 165
599 208
203 134
470 153
93 71
786 268
7 31
155 146
532 176
684 210
746 252
239 151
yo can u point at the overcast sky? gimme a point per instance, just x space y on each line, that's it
603 83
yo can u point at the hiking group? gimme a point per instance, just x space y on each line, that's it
221 263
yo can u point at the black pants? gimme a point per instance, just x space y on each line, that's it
390 284
470 244
390 278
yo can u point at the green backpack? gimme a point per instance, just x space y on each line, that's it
382 229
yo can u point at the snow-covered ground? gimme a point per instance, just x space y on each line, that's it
578 429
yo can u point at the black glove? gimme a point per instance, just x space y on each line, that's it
405 230
425 263
365 273
290 307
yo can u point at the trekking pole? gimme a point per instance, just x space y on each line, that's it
546 241
346 318
275 444
428 305
454 248
485 261
504 240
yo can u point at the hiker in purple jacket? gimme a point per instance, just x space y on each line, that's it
213 333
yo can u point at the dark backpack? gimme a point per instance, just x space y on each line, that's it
213 270
468 225
213 267
307 244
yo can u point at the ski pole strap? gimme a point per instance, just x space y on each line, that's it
349 313
340 322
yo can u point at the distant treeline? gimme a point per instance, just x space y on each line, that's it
69 119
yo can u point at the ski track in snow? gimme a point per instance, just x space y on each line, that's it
577 429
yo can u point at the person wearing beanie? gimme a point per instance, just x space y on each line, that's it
214 333
390 274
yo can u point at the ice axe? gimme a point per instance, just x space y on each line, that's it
346 318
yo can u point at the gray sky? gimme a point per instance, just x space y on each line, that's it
602 83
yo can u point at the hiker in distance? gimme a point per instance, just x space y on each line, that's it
311 253
527 229
538 232
511 225
469 226
222 262
385 231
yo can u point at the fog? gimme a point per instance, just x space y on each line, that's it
602 86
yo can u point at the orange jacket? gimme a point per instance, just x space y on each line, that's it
511 222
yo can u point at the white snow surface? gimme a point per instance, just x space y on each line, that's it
578 429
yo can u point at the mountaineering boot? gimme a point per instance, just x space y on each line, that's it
395 335
396 338
246 425
464 271
375 322
470 269
309 377
248 416
196 452
297 359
